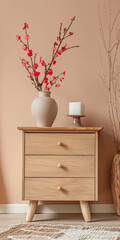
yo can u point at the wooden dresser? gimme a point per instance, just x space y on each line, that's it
60 164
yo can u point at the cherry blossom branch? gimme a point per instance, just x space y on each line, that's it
34 75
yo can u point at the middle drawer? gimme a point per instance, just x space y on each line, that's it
59 166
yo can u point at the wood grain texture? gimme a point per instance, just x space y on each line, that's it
47 189
72 143
60 129
115 182
23 164
59 166
96 166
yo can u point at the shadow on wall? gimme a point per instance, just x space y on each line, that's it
106 151
3 195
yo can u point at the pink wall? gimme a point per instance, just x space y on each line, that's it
82 82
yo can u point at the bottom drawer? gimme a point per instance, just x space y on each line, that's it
60 189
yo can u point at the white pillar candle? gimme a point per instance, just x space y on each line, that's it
76 108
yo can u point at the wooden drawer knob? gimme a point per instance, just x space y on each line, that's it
59 143
59 165
59 188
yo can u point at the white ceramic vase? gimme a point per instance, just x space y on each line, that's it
44 109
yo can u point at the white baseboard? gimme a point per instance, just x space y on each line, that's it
56 208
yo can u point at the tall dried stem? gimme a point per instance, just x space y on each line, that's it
111 79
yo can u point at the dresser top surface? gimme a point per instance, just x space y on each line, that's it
60 129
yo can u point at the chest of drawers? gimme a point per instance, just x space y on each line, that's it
60 164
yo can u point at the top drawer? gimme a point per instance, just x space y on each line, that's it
60 143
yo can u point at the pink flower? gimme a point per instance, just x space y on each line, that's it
57 85
53 48
63 48
18 37
70 33
45 80
72 19
24 47
24 64
56 44
27 62
58 53
50 71
36 74
54 62
30 53
58 39
51 83
25 26
27 37
35 65
36 86
64 73
30 74
47 88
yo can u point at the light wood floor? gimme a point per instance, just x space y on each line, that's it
8 220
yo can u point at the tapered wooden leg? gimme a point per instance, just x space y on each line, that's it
31 210
85 211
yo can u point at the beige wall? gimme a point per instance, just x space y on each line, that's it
82 81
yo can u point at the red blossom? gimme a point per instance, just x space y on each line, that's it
36 74
42 61
57 85
24 47
53 48
45 80
47 88
54 62
27 37
35 65
36 86
58 53
51 83
18 37
24 64
70 33
61 80
54 77
27 62
30 53
55 44
63 48
58 39
25 26
64 73
50 71
72 19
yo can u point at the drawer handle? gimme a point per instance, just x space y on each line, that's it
59 188
59 165
59 143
